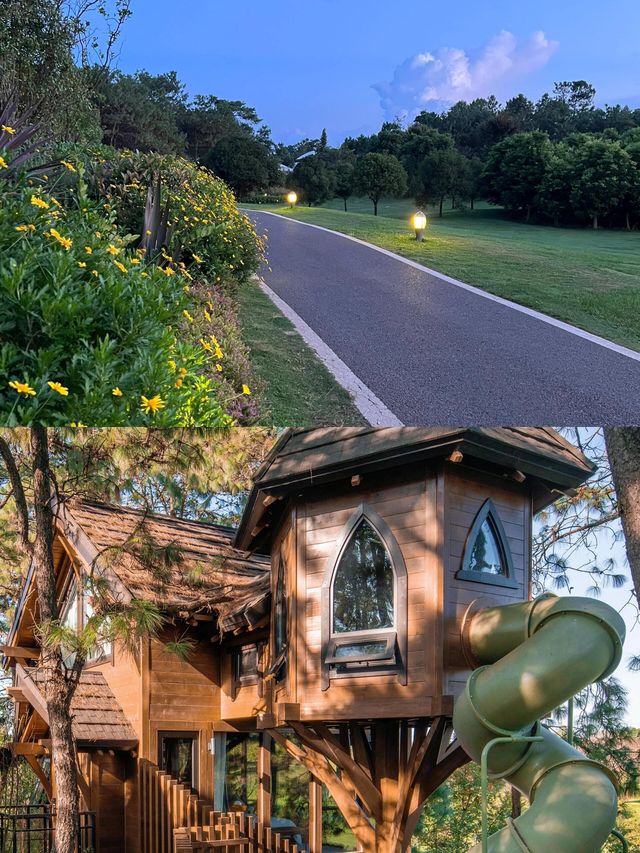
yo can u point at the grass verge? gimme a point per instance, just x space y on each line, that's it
588 278
296 389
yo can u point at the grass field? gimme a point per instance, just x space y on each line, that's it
588 278
295 387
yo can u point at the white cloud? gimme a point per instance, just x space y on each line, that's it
436 80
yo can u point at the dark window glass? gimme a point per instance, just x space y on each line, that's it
363 584
280 623
246 662
363 650
487 555
176 758
241 772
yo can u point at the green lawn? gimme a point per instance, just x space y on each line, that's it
590 279
296 388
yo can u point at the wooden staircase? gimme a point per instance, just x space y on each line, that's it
233 833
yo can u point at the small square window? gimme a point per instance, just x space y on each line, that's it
245 664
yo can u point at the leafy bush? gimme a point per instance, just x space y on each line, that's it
207 226
90 333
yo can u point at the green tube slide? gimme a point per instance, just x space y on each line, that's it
532 657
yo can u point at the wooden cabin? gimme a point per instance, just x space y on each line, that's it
326 638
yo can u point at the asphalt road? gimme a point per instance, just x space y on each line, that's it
435 353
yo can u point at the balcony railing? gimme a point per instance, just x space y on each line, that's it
30 829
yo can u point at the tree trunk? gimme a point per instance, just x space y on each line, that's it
58 689
623 448
528 216
375 207
595 222
627 220
472 203
441 203
345 205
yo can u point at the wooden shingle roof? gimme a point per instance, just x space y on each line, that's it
97 718
181 566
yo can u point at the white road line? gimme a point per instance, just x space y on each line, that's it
537 315
369 406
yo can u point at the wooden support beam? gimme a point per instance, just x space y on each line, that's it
28 749
21 653
34 764
85 788
16 694
315 815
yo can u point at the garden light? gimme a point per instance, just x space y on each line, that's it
292 198
419 224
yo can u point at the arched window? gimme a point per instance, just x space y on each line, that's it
487 557
364 599
280 619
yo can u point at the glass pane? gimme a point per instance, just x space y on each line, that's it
289 795
241 776
363 584
486 555
102 649
247 665
360 650
177 758
336 835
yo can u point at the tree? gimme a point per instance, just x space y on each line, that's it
322 144
208 119
441 174
578 94
515 170
344 180
623 448
554 196
244 162
314 178
604 178
380 175
420 143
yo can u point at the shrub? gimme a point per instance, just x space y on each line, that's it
207 225
89 332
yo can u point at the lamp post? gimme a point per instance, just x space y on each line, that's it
419 224
292 198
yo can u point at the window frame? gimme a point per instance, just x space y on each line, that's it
194 736
280 656
488 512
395 636
77 579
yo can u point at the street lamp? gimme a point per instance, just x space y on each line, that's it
292 198
419 224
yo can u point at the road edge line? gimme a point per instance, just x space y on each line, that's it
531 312
366 402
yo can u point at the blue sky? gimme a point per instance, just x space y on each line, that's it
306 66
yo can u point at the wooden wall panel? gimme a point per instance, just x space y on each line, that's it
465 492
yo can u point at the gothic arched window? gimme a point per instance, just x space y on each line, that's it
364 599
487 557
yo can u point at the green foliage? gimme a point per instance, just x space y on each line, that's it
345 180
380 175
208 230
605 175
314 179
244 162
90 331
515 169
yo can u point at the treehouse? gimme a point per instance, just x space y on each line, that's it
328 638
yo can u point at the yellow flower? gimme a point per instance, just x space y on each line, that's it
219 368
113 250
38 202
88 250
206 345
188 316
68 165
7 129
67 242
94 272
207 316
117 392
82 264
197 259
179 383
98 234
168 271
77 424
172 364
135 260
23 388
120 266
245 390
56 202
183 371
29 227
151 405
3 163
56 386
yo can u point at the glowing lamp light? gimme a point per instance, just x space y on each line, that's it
419 224
292 198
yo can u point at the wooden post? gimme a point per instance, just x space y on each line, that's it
315 816
264 780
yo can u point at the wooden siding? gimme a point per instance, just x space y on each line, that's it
464 493
408 508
